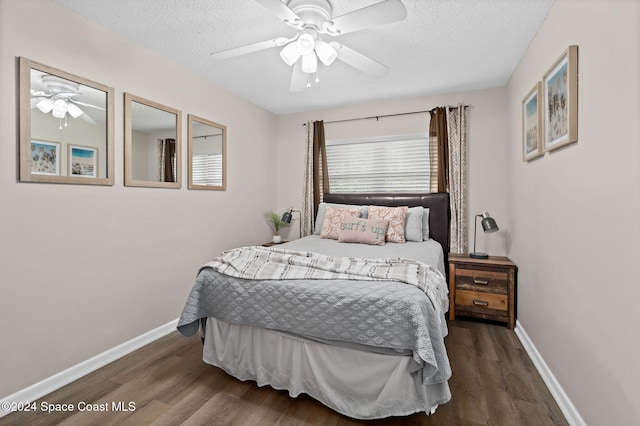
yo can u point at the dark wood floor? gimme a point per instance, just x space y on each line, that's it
494 383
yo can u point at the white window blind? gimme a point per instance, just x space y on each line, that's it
397 165
207 169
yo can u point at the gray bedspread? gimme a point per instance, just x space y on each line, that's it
377 314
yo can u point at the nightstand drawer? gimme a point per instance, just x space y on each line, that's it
482 280
481 301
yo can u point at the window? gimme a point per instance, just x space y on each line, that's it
207 169
380 165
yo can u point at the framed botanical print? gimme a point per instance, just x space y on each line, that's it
532 124
45 158
560 86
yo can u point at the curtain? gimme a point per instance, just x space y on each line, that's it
169 160
439 150
456 122
166 160
316 177
307 212
320 172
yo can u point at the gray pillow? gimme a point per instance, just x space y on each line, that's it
413 224
425 225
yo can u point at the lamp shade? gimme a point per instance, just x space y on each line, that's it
45 105
74 111
59 108
290 53
286 217
309 63
326 53
488 225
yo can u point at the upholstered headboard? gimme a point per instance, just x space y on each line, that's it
437 203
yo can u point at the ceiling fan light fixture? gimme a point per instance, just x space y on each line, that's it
310 63
59 109
326 53
45 105
74 111
306 43
290 53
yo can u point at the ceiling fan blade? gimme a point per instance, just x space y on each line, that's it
299 78
88 119
283 12
381 13
249 48
359 61
85 104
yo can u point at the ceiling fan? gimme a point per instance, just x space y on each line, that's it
59 99
313 19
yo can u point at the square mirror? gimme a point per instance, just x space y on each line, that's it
152 144
66 127
207 152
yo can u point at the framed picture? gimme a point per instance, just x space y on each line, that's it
532 125
83 161
561 101
45 158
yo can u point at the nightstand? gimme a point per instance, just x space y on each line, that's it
271 244
482 288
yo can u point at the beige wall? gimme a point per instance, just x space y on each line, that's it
574 213
84 268
486 151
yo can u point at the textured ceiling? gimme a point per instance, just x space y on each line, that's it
443 46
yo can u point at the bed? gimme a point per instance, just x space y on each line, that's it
352 335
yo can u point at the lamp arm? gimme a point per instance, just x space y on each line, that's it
291 210
475 233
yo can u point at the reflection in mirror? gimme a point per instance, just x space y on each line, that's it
207 154
66 127
152 140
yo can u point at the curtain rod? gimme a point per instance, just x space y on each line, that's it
205 136
377 117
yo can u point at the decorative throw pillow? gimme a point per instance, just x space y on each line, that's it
413 224
322 211
396 218
333 221
366 231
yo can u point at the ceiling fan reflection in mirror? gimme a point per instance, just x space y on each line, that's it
59 99
313 19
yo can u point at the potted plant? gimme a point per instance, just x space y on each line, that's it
276 221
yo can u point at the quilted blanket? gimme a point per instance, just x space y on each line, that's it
273 263
379 304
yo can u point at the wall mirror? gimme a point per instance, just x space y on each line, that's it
152 144
207 151
66 127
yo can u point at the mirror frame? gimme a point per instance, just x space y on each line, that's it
191 119
26 65
128 144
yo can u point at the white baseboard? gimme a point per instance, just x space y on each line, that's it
566 406
67 376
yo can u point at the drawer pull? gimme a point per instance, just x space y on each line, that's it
480 302
481 282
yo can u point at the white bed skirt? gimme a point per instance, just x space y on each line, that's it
358 384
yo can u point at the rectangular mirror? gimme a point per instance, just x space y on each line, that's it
207 152
66 127
152 144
